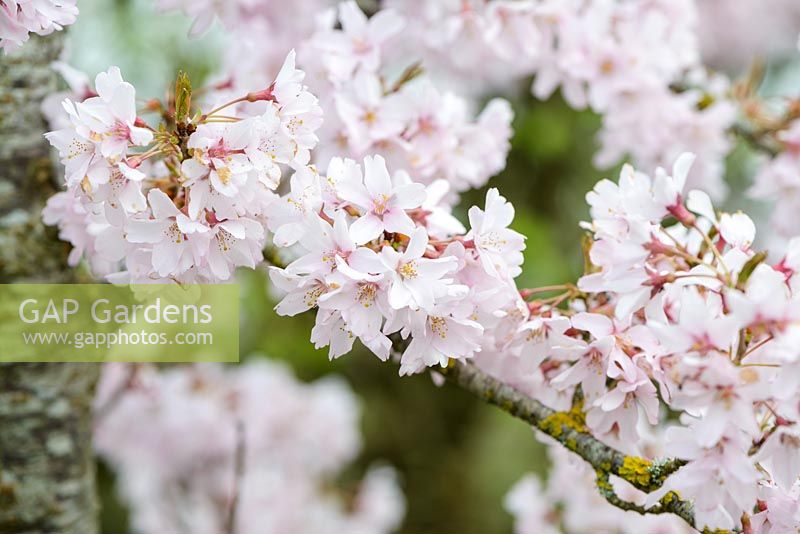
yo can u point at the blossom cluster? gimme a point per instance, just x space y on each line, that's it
185 201
248 61
732 34
678 311
249 444
373 106
622 59
20 18
680 339
591 49
238 13
772 129
778 179
380 254
637 64
570 490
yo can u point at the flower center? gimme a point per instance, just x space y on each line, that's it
380 204
493 241
224 174
173 233
224 240
369 117
311 296
409 270
120 131
438 326
366 294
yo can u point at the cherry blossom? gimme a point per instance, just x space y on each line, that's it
103 128
180 211
621 59
440 336
680 337
20 18
779 511
778 178
358 45
370 109
499 247
396 278
382 202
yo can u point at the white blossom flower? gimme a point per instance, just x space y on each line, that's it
383 203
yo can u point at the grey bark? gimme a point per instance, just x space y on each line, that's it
47 473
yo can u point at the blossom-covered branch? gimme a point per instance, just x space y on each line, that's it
679 339
569 429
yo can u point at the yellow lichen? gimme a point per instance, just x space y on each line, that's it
636 470
576 412
603 484
554 424
669 498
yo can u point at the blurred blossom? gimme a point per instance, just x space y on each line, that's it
734 34
20 18
174 438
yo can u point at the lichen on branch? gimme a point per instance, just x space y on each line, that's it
569 429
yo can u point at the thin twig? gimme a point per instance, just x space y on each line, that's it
670 503
118 393
223 106
238 473
754 140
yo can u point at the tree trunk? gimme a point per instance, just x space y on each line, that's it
47 474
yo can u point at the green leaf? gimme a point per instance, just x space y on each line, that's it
183 97
749 267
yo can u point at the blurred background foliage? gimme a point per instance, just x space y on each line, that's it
457 456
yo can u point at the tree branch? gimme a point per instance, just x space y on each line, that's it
238 475
668 504
756 140
569 429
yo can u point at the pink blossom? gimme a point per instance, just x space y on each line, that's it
19 18
383 203
102 129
